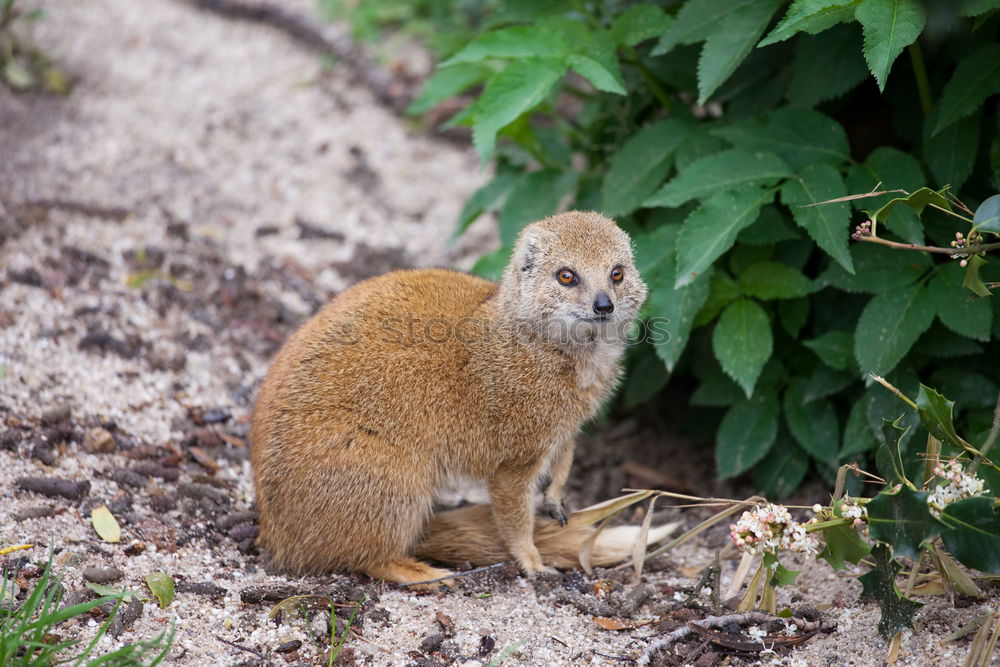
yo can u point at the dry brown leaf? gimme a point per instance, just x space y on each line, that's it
204 460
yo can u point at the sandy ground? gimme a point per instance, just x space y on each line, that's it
206 186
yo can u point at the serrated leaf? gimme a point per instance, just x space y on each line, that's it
902 520
813 16
521 86
987 216
835 348
843 544
889 169
958 310
729 43
972 535
889 326
889 26
826 381
799 136
951 153
936 415
711 229
972 282
491 265
486 199
721 292
646 377
770 227
598 63
879 586
161 585
716 390
447 82
105 524
726 170
742 342
857 436
639 23
814 425
877 269
641 164
774 280
780 575
515 42
535 195
746 434
793 314
836 54
827 224
976 78
977 7
695 21
780 472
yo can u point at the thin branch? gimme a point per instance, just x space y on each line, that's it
951 213
954 252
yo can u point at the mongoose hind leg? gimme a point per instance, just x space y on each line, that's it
406 570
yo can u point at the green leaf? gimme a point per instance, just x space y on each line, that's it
958 310
799 136
812 16
486 199
535 195
827 224
936 416
719 172
695 21
836 54
675 308
889 458
780 472
972 281
877 269
835 348
711 229
903 520
973 533
987 216
951 153
814 425
697 145
515 42
889 169
639 23
781 576
826 381
742 342
162 586
641 164
857 437
889 326
746 434
890 26
729 43
793 314
968 389
879 586
599 63
646 377
111 592
770 227
491 266
843 544
917 200
447 82
773 280
521 86
721 292
976 78
977 7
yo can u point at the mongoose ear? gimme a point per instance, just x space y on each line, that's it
526 254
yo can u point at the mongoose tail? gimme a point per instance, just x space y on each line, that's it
469 535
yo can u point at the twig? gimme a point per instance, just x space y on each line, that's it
243 648
954 252
721 622
623 658
457 575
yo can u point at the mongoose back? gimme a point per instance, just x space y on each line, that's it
413 379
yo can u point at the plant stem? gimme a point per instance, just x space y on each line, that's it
823 525
971 250
913 575
991 439
649 78
920 74
952 213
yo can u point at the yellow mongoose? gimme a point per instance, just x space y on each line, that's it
412 379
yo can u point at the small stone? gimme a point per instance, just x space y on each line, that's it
162 502
99 441
102 575
432 643
290 646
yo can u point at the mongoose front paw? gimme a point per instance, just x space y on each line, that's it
555 510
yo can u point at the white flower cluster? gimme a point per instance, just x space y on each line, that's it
958 485
851 510
771 528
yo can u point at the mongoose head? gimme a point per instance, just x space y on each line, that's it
573 274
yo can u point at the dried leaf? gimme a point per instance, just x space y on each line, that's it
105 524
162 586
641 540
613 623
204 460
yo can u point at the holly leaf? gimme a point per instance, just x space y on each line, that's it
711 229
936 415
746 434
917 200
889 26
889 326
879 586
888 458
641 164
902 519
780 575
812 16
972 281
827 224
976 78
742 342
972 535
725 170
162 586
843 544
987 216
958 310
729 43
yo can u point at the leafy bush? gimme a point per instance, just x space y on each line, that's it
711 131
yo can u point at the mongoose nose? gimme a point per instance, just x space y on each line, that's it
602 304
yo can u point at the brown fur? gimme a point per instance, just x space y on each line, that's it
376 403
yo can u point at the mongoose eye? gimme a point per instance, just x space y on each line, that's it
617 274
567 277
